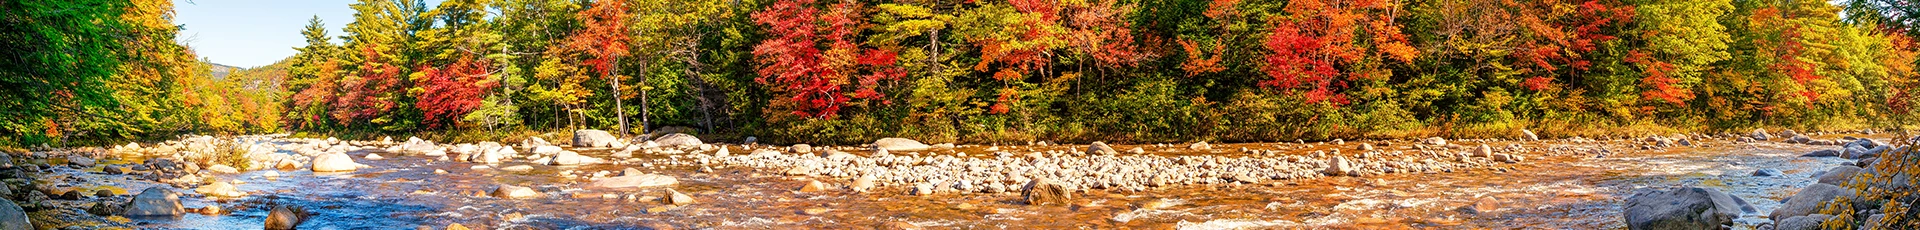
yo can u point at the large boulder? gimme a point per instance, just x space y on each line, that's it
1045 191
1761 134
1840 175
593 138
1809 200
678 140
1681 208
12 216
900 144
335 162
155 201
634 181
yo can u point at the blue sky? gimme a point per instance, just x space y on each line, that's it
253 33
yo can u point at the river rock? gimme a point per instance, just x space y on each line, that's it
284 217
1339 166
545 150
1809 200
1766 172
1201 146
219 189
678 140
634 181
802 148
81 161
900 144
1760 134
1680 208
1483 151
571 158
1867 153
155 201
593 138
677 198
1840 175
863 184
416 145
514 192
13 217
1528 135
1045 191
335 162
1807 222
1100 148
814 186
1822 153
1436 141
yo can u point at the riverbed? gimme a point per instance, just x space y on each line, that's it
1563 184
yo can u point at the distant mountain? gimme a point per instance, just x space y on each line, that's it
220 71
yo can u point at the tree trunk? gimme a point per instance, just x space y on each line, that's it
620 110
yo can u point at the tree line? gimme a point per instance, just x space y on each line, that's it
850 71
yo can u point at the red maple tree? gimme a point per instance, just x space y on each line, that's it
454 90
361 98
816 80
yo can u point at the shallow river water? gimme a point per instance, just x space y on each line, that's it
1571 189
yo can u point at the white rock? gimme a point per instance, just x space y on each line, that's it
335 162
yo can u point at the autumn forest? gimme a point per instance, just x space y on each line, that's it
846 71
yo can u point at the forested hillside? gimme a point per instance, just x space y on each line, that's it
87 71
1017 70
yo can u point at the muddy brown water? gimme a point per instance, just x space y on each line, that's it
1563 190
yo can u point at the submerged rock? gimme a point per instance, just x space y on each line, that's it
219 189
285 218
